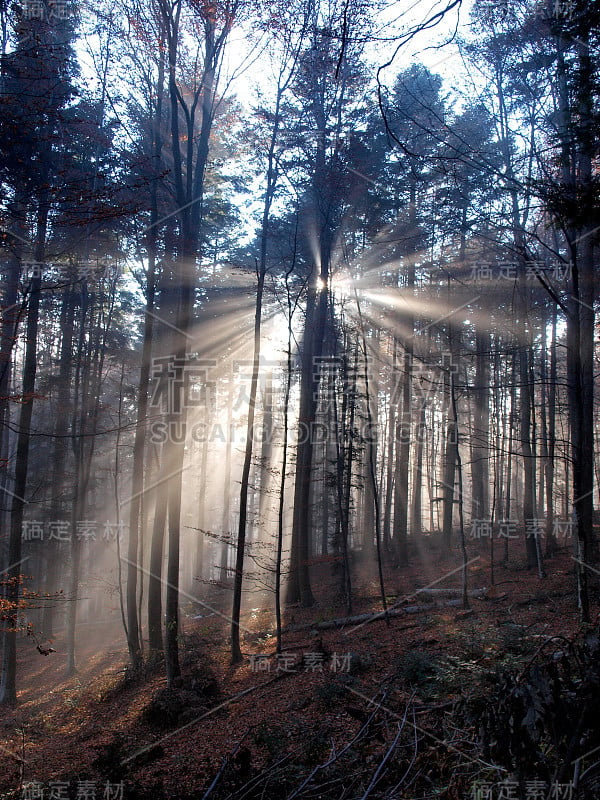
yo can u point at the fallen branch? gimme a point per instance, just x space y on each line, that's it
336 756
382 766
226 761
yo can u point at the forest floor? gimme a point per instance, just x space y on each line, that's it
361 711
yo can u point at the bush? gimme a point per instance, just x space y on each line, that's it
417 668
170 707
332 692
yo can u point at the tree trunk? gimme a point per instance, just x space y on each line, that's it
481 428
137 478
8 690
236 652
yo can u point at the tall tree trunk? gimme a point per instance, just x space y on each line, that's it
299 588
403 439
401 480
550 437
580 333
60 453
11 315
227 535
189 149
284 462
88 387
532 538
372 450
509 466
481 427
451 448
416 513
389 483
137 478
155 582
236 652
8 690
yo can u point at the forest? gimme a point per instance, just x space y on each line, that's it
299 462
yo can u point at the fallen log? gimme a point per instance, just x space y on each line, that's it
449 592
434 592
358 619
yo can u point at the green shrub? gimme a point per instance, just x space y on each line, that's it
416 668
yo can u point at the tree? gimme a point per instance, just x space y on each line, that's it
193 110
326 82
272 174
41 69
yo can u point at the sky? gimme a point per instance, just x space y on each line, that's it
436 48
